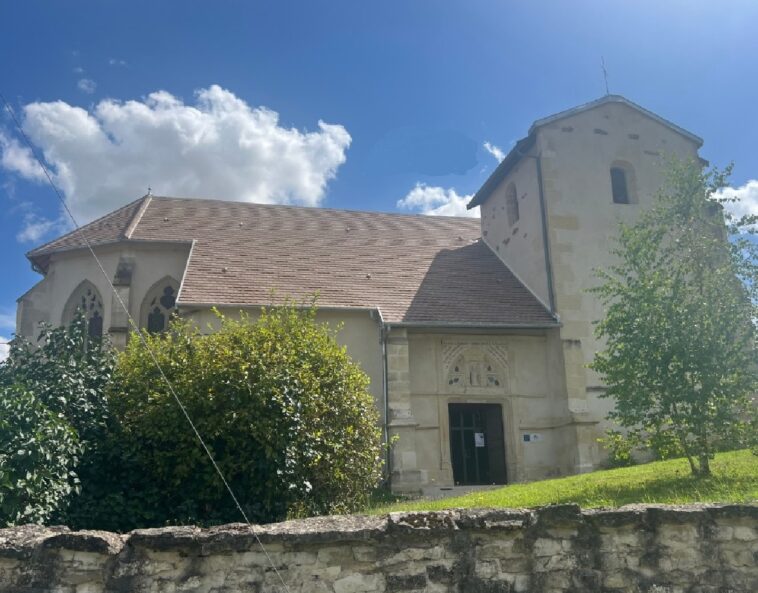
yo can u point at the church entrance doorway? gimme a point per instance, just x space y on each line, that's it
477 444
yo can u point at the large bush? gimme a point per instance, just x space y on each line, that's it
52 411
284 411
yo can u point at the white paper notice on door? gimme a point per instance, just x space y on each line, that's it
479 439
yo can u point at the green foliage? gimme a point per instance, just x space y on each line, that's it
38 454
620 448
625 448
66 371
680 359
285 412
52 411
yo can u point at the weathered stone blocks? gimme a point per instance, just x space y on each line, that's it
559 549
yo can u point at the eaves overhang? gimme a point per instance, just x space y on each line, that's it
502 170
615 99
41 262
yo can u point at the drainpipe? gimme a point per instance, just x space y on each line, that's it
385 393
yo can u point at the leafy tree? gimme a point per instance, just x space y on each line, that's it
284 411
52 410
680 356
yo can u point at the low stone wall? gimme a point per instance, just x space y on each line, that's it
693 549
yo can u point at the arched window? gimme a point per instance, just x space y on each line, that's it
159 305
86 298
622 183
511 204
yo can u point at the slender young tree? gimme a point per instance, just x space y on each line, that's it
680 304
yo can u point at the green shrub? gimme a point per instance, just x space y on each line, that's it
52 411
285 412
67 371
38 455
620 448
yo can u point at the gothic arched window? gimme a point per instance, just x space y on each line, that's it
159 305
511 204
86 298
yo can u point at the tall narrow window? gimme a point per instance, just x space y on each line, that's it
511 204
619 186
159 305
86 298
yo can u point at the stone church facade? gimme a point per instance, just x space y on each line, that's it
475 334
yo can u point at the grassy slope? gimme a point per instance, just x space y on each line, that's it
734 479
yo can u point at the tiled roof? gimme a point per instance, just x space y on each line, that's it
109 228
413 268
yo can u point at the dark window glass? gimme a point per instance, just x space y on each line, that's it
87 301
162 306
618 186
95 325
156 321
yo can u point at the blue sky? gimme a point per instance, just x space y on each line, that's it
224 99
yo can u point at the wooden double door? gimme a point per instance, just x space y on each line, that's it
477 444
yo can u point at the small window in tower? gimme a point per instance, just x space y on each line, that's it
511 204
619 186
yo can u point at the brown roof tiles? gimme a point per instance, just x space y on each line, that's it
414 269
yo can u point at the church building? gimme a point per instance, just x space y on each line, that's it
475 334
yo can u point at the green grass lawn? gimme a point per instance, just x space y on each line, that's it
734 479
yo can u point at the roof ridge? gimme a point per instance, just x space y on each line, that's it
418 215
130 228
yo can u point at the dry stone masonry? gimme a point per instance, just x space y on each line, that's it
640 549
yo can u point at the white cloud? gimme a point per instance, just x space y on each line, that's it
116 62
18 158
36 227
220 147
495 151
86 85
747 199
4 348
437 201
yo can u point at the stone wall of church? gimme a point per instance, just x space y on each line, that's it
576 155
704 549
134 271
519 244
513 373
